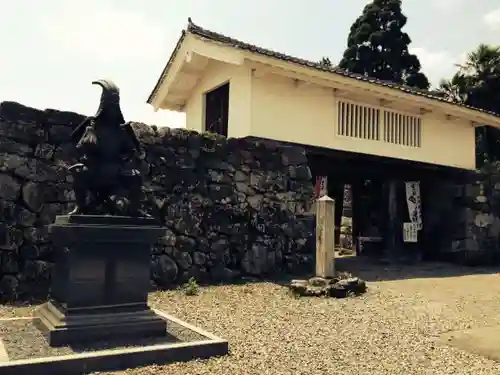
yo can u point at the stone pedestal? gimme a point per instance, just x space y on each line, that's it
101 280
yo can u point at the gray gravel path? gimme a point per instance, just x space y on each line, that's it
393 329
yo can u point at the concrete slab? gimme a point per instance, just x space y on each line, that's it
122 358
482 341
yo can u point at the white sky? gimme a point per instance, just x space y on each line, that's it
53 49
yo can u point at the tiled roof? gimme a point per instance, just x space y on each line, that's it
220 38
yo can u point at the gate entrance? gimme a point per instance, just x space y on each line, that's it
381 212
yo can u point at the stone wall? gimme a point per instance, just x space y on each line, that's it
468 214
230 207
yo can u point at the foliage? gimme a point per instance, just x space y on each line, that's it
477 83
325 62
191 288
377 47
490 168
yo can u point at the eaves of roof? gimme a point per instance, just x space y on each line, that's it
234 43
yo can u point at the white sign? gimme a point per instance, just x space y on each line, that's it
413 200
410 232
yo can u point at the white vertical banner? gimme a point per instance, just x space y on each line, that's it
413 200
321 186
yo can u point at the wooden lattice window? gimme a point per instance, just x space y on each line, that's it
358 121
402 129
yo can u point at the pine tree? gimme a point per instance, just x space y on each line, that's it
377 47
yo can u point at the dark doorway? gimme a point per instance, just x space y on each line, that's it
217 110
379 202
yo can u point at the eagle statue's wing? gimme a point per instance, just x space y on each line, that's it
129 130
77 134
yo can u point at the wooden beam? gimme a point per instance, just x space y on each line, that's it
394 230
190 70
218 52
356 219
336 186
476 124
258 72
451 117
336 80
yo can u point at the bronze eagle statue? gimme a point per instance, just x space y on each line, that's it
109 152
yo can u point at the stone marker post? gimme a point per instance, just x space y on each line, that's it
325 237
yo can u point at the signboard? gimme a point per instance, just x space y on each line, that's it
410 232
413 200
321 186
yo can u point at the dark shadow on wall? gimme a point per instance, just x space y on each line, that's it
368 269
379 270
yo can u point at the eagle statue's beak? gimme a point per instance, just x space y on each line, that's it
110 100
108 86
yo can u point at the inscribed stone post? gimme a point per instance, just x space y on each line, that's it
325 237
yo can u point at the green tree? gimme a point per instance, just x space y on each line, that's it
377 47
325 62
477 83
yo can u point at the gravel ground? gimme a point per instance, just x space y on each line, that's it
392 329
22 340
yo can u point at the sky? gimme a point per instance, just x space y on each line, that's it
51 50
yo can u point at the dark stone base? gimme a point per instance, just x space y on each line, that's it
60 328
101 280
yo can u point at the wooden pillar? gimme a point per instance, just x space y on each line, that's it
338 197
325 237
357 221
393 236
